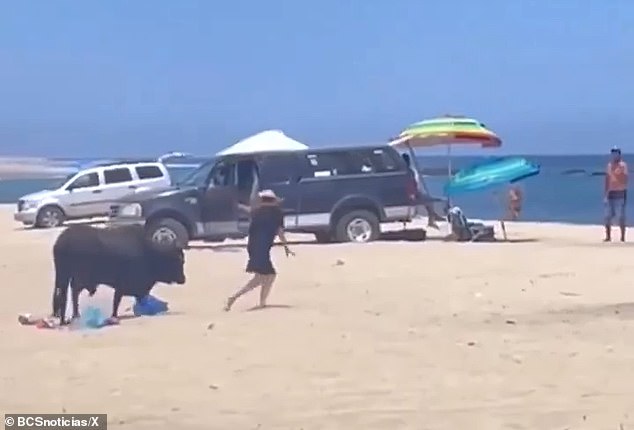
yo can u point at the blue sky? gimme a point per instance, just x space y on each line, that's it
123 77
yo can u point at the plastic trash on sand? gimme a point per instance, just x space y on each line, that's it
28 319
93 317
149 305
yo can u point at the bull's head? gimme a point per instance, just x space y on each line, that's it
168 263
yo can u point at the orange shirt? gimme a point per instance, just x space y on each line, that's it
616 176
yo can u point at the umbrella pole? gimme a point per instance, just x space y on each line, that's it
449 170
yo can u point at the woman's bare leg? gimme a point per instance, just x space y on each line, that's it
253 283
267 285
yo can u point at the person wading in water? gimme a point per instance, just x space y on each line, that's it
267 221
514 206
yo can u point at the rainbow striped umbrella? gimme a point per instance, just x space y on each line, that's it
449 130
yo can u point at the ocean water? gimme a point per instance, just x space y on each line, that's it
554 195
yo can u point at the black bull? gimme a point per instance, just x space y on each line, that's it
120 257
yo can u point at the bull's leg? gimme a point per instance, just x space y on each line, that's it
62 279
116 301
75 290
56 304
62 300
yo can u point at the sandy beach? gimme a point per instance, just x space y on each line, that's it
534 334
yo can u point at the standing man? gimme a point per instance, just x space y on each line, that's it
615 193
267 221
432 216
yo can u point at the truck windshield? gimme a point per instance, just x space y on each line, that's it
58 183
198 177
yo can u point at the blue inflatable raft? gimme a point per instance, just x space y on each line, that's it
490 174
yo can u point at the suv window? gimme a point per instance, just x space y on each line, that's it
355 162
382 161
331 164
85 181
148 172
117 175
223 175
275 169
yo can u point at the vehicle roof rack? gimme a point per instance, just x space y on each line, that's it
126 161
174 154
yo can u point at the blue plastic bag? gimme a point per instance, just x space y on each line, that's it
92 317
149 305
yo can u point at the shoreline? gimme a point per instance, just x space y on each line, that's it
10 207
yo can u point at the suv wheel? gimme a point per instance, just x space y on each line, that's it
168 230
49 217
358 226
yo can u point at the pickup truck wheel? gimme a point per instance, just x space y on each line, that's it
168 230
49 217
323 237
358 226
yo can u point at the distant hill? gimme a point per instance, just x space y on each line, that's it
33 168
12 168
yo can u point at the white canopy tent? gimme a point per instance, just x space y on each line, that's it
265 141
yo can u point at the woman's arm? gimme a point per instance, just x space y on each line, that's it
282 237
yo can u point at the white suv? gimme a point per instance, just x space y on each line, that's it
90 192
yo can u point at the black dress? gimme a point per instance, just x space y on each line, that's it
265 224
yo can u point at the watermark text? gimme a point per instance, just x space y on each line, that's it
55 422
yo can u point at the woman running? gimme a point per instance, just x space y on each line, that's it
267 221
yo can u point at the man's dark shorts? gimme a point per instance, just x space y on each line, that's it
616 205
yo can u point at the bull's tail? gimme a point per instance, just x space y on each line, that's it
62 281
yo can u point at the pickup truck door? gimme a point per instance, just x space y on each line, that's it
281 173
219 205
